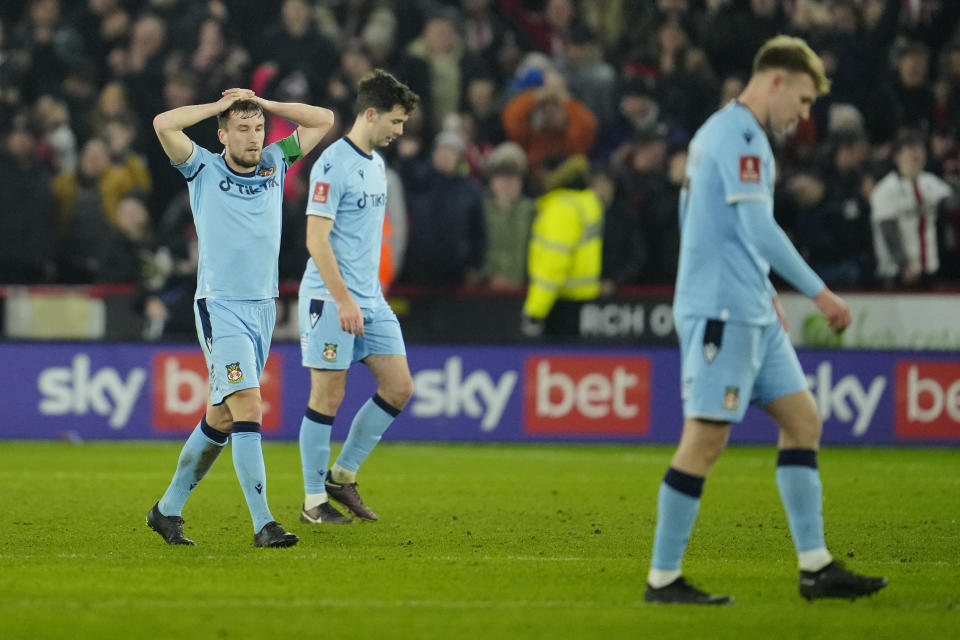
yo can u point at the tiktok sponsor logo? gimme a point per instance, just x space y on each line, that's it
227 184
371 199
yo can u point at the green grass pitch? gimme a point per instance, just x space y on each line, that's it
474 541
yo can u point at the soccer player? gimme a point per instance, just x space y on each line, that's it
344 317
731 327
236 200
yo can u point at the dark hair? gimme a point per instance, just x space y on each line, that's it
381 91
243 108
908 138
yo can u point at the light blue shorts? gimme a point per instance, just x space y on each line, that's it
324 345
235 336
727 366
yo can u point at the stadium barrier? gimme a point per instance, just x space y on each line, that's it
471 393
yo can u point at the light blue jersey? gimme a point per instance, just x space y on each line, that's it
349 187
720 274
238 221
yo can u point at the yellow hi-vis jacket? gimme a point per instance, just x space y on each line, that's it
565 250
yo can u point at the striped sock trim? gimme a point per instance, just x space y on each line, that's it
316 416
217 436
797 458
684 482
246 427
386 406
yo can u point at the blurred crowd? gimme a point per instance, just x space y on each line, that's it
512 91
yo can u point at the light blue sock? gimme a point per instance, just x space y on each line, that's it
251 472
315 450
368 426
197 456
802 494
677 506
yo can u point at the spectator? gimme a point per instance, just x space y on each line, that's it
140 64
81 213
547 122
641 232
440 48
509 215
447 238
731 32
638 115
128 169
480 107
127 254
26 213
355 63
51 45
217 62
905 206
907 99
104 25
483 31
833 242
591 80
58 137
14 66
566 243
686 86
295 44
546 30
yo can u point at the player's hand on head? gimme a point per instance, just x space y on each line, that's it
229 96
834 309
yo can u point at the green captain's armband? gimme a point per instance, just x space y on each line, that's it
290 147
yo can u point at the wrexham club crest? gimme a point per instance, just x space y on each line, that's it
329 352
234 373
731 398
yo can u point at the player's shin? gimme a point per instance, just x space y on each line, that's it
677 505
798 480
368 426
315 455
251 471
199 453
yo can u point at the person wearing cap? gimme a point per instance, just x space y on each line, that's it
566 244
904 208
509 215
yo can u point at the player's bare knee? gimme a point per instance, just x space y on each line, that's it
398 392
802 434
326 400
245 405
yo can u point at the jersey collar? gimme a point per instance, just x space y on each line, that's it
357 149
250 174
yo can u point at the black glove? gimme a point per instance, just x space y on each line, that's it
530 326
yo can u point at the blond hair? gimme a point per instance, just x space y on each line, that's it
794 55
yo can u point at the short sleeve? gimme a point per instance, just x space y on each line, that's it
326 189
195 163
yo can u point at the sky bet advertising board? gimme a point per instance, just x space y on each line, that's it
502 394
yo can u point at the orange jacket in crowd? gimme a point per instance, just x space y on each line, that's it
540 143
